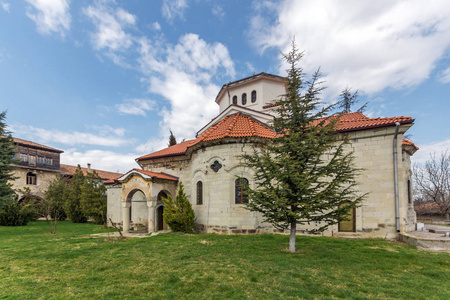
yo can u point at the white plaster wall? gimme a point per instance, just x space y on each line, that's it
114 203
266 92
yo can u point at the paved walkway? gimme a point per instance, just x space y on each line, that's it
133 234
426 240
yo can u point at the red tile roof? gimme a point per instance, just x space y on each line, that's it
145 172
240 125
70 170
157 174
35 145
237 125
178 149
409 143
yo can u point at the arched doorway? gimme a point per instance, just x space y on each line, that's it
159 218
138 207
160 223
348 225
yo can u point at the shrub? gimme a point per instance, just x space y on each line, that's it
179 214
16 214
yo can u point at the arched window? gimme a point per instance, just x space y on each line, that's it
253 96
240 195
235 100
31 178
244 98
409 192
199 193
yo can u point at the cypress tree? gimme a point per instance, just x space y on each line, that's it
306 174
172 139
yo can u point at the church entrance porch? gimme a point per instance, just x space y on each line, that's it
142 205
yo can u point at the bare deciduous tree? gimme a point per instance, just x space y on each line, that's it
432 180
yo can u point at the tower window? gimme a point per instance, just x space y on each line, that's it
253 96
244 98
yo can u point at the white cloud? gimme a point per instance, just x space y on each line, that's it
184 76
50 15
364 44
156 26
183 73
5 6
105 136
218 11
445 76
425 151
110 25
100 160
172 9
137 107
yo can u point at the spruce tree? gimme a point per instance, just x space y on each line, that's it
93 198
306 174
179 214
7 153
72 204
172 139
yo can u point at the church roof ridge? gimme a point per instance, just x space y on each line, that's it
242 125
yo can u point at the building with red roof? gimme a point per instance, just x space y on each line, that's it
212 171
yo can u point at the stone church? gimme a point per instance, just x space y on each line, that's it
214 176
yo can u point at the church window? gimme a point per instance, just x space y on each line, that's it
409 192
31 178
244 98
253 96
199 193
235 100
241 185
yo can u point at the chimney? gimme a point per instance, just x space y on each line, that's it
89 167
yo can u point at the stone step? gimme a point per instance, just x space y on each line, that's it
439 231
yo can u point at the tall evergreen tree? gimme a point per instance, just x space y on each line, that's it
172 139
72 204
306 174
93 198
179 214
7 152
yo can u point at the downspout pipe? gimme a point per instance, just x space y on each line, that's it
397 209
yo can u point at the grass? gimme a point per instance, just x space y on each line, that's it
74 265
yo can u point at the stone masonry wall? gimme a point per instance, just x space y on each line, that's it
373 151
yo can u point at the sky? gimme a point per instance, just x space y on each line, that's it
105 81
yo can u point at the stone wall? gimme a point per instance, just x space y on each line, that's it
373 151
44 177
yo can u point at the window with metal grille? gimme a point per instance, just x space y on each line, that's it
253 96
241 185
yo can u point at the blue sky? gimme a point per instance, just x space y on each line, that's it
105 81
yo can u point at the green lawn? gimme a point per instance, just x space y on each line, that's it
72 264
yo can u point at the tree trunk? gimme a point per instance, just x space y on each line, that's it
292 237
